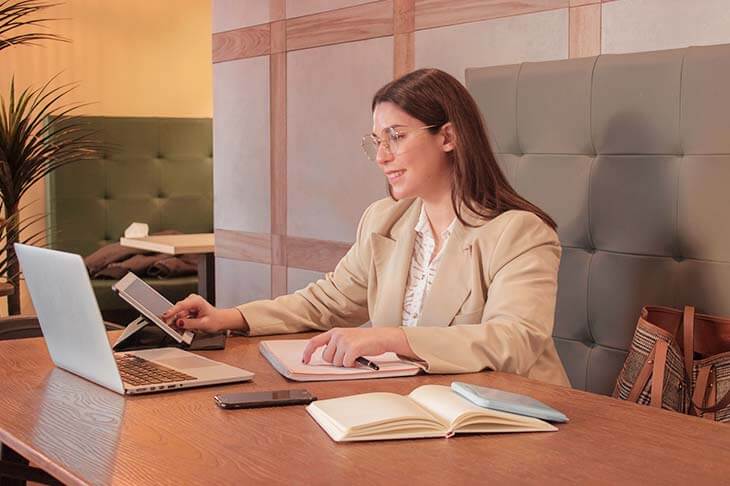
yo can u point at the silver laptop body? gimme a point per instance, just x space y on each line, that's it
76 338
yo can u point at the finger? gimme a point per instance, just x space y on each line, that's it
193 324
184 306
339 354
349 360
329 352
191 306
313 344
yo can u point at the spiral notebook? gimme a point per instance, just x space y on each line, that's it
286 357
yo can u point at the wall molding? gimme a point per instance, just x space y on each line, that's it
242 245
404 40
277 150
584 32
382 18
280 251
440 13
366 21
242 43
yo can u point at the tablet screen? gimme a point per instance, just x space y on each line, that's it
148 297
149 302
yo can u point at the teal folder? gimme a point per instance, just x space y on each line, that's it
507 402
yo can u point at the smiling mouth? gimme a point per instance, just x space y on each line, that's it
394 174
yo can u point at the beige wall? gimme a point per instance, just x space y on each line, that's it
321 61
130 58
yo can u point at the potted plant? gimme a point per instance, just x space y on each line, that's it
39 133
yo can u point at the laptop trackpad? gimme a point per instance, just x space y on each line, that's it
187 362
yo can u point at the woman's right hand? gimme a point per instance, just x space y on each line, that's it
194 313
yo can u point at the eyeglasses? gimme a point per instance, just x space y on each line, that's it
392 141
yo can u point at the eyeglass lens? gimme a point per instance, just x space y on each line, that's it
371 143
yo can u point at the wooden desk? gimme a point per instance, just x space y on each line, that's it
82 433
202 243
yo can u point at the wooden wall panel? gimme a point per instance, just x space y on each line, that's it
585 31
437 13
279 281
404 16
278 144
278 37
344 25
404 55
277 9
404 23
278 156
318 255
239 245
241 43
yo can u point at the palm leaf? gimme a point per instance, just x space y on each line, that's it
16 28
37 137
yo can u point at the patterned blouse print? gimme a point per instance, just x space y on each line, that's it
423 268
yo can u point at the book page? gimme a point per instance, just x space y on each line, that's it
460 412
374 414
289 353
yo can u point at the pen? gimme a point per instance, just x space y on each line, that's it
368 363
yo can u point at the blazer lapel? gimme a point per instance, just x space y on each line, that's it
450 287
392 258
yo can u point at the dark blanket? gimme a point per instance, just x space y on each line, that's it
113 261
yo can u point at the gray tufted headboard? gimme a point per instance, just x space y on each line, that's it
630 154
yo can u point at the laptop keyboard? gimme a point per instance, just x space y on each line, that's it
139 371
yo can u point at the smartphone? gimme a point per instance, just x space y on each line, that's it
274 398
150 303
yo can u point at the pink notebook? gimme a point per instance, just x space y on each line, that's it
286 357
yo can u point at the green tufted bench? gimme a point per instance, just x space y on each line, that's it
158 171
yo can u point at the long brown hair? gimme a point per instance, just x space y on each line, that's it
436 98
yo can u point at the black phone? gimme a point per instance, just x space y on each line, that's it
274 398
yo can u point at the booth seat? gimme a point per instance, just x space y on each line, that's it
630 154
157 171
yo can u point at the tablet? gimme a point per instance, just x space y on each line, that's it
150 303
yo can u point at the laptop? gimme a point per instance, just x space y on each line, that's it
76 338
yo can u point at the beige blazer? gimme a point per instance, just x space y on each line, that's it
491 305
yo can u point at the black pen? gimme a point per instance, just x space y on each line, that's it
368 363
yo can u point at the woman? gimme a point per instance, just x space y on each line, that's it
455 270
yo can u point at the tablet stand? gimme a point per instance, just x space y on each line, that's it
143 334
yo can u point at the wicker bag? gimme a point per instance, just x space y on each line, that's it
679 361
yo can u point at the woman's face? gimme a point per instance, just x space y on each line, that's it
420 166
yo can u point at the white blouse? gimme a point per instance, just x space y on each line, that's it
423 268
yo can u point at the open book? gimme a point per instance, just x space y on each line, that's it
429 411
285 356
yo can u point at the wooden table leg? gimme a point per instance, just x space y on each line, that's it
206 277
15 470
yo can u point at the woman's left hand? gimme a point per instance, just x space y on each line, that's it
345 345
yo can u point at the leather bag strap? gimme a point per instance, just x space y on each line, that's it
657 374
698 396
722 404
643 377
689 341
712 400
